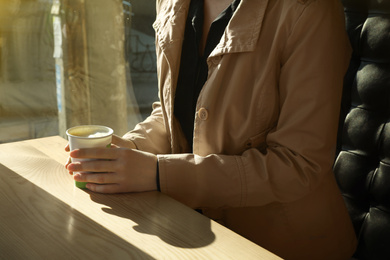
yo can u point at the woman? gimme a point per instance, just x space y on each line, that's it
245 129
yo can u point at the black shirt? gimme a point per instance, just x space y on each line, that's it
193 66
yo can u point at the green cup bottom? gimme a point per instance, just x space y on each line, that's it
81 185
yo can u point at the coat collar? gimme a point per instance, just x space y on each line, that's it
241 34
243 31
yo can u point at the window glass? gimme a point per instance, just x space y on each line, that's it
71 62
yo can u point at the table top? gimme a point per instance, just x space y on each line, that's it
43 216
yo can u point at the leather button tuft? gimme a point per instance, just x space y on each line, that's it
203 114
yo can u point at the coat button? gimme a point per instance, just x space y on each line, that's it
203 114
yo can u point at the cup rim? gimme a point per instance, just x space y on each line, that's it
110 131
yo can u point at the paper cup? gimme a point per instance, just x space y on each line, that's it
88 136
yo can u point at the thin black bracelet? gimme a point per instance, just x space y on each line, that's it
158 177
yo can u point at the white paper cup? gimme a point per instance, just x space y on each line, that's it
88 136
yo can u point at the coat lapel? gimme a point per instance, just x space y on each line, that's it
170 25
242 32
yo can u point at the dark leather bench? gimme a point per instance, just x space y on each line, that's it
362 167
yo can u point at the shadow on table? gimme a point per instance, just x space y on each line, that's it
159 215
38 225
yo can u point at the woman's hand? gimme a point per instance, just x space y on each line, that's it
115 169
116 141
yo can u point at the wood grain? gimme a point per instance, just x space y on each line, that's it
44 216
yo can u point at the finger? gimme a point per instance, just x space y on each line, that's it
67 149
119 141
97 178
95 153
93 166
106 188
68 161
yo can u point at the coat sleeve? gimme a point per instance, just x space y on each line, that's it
151 135
300 150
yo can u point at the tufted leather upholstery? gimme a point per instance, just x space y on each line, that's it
362 167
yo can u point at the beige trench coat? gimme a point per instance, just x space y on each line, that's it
265 128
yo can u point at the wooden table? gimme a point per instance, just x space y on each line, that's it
43 216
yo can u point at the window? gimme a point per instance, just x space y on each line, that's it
70 62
